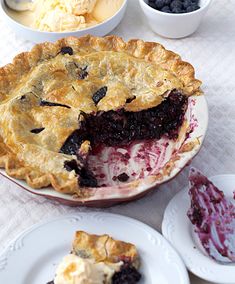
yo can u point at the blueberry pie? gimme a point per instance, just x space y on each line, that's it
86 112
99 260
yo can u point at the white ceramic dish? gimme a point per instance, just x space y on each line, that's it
32 257
158 155
41 36
177 228
174 25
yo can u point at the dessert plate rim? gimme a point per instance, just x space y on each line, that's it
154 249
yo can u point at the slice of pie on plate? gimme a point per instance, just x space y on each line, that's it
99 260
88 113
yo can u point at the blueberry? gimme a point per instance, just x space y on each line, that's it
187 3
167 2
159 4
99 95
66 50
166 9
177 11
152 5
192 8
123 177
176 4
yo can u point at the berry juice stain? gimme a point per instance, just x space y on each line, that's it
213 217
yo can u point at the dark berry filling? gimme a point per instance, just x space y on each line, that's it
127 275
174 6
100 94
129 100
66 50
86 177
51 104
37 130
114 128
73 143
71 165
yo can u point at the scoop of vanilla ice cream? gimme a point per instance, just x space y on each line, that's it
61 15
57 21
76 270
80 7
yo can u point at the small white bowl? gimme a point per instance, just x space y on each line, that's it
41 36
174 25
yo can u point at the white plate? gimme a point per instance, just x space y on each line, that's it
177 228
33 256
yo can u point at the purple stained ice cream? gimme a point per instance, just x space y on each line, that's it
213 217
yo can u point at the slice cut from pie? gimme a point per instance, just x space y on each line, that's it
99 260
85 112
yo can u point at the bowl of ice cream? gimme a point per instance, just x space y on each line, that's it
47 20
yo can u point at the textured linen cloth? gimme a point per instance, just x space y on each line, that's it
211 50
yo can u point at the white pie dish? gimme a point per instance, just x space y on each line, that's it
32 257
37 36
174 25
179 231
197 117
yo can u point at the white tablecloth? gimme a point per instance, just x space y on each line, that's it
211 50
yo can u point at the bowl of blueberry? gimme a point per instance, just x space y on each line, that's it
174 18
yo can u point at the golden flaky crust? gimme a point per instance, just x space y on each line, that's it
148 72
104 248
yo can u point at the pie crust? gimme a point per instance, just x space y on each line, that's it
31 136
104 248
